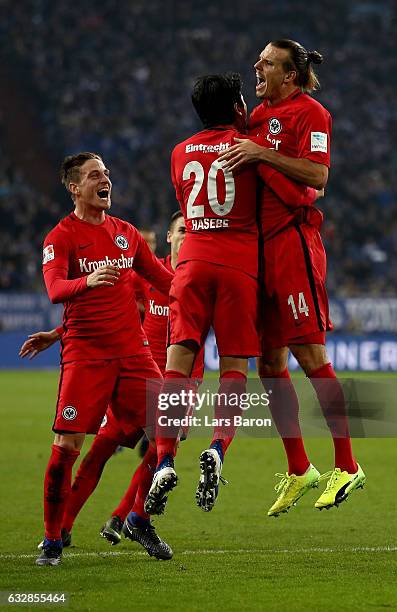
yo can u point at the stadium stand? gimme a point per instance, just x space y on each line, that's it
115 77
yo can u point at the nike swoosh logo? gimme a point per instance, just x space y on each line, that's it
84 246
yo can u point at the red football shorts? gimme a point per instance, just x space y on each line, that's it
204 294
87 388
110 426
294 306
112 429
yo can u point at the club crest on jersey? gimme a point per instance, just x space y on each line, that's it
122 242
275 126
69 413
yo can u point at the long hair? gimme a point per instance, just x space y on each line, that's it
301 61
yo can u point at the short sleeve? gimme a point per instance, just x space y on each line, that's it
55 251
313 129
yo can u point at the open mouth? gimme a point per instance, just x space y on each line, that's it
259 80
103 193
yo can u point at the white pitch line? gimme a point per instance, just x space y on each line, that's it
240 551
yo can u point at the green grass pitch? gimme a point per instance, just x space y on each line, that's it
234 558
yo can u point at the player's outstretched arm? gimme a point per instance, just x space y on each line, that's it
303 170
38 342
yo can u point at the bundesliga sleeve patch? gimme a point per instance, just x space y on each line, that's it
319 142
48 253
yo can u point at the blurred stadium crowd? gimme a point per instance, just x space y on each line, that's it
115 77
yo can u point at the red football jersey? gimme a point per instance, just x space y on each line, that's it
101 322
297 126
219 206
156 326
156 320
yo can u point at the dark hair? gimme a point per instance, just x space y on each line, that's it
70 169
214 97
174 217
301 61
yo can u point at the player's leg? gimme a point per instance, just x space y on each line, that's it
310 311
347 475
191 302
234 323
180 359
139 384
137 526
83 395
232 381
87 478
284 408
112 528
84 483
57 486
283 271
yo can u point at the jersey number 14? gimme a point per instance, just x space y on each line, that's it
303 308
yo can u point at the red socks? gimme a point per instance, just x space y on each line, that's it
87 477
330 395
128 499
148 464
146 468
167 435
234 382
57 486
284 408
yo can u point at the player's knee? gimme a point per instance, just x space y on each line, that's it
271 365
180 357
233 364
69 441
310 356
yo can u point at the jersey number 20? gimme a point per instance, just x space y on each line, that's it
196 211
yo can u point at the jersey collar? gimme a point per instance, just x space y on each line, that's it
294 94
74 217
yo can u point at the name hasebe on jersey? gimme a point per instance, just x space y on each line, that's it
209 223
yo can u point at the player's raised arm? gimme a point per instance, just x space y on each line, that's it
39 341
148 266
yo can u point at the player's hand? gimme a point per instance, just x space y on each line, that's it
40 341
244 152
320 193
106 275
